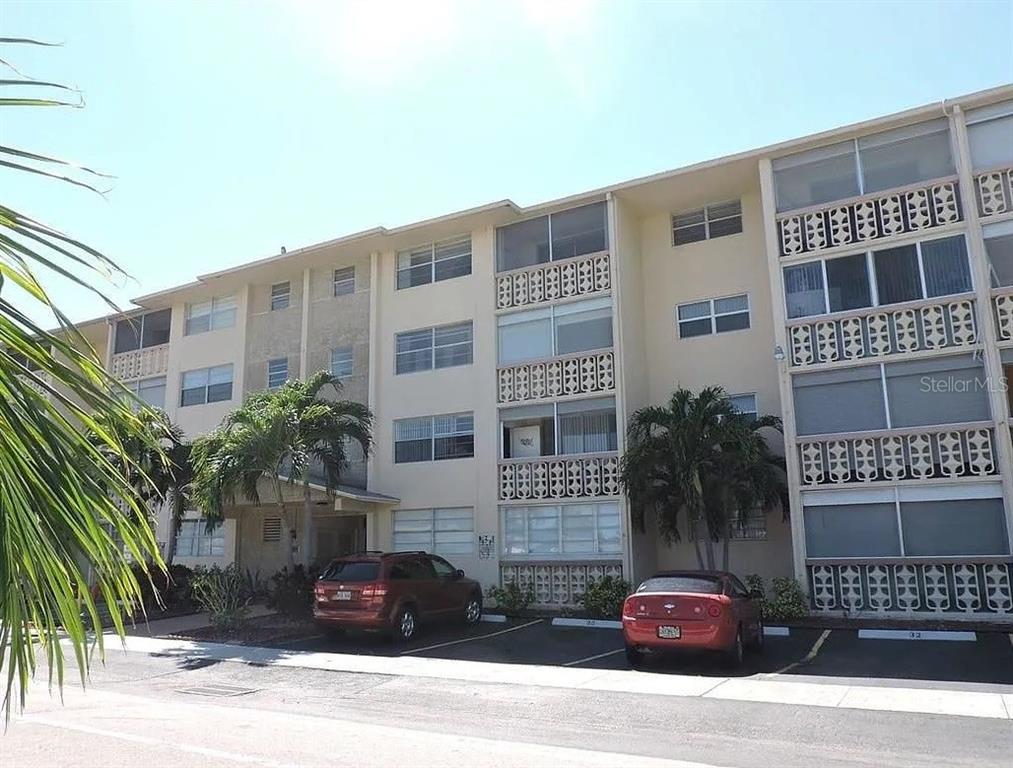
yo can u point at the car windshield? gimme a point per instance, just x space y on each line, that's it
704 585
351 570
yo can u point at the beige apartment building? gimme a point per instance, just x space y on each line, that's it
857 283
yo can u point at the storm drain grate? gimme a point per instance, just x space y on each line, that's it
216 690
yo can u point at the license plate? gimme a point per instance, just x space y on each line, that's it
670 633
342 596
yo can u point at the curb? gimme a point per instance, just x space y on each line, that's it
594 623
776 631
494 618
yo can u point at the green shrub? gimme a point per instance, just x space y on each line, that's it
510 598
221 592
291 592
789 601
755 581
604 597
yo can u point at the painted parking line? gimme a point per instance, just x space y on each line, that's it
594 658
809 656
470 639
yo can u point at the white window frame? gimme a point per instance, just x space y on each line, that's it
432 547
433 261
281 294
755 528
433 347
504 321
350 349
343 281
207 384
555 427
870 269
198 526
561 553
433 436
274 370
135 389
707 220
713 316
140 321
214 314
754 412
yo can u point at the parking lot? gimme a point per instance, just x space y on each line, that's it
804 652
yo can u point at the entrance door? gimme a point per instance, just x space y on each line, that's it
337 536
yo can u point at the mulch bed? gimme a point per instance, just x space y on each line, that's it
256 631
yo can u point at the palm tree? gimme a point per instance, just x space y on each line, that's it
279 436
697 459
67 505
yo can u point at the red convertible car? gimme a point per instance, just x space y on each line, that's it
692 610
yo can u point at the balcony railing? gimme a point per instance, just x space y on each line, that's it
960 450
581 276
994 190
28 380
1002 300
559 477
557 583
869 218
138 363
879 331
585 373
979 585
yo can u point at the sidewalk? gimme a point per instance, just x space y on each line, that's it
178 624
768 689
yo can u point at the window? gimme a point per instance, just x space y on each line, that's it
715 220
280 295
429 438
434 262
713 316
552 429
561 530
562 330
921 270
751 526
744 404
194 540
909 521
277 372
150 391
344 281
342 361
558 236
990 135
143 331
440 531
999 248
206 385
887 160
428 348
218 312
271 529
912 393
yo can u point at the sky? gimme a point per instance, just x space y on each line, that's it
234 128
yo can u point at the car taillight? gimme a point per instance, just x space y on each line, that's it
713 611
374 591
631 606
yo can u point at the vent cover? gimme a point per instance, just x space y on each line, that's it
272 529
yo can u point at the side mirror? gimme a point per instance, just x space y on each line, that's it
458 574
756 594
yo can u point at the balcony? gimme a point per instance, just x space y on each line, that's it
33 384
1002 300
559 477
139 363
875 332
557 583
994 190
961 450
971 586
869 218
564 279
579 374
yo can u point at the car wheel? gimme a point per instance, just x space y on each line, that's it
473 610
634 657
735 654
405 625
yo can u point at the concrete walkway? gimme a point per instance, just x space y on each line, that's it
769 689
185 623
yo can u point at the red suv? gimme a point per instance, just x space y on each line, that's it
393 592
